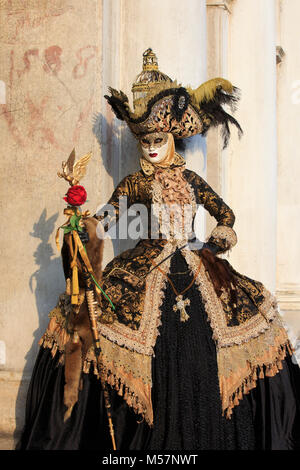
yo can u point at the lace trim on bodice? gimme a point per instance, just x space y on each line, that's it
174 203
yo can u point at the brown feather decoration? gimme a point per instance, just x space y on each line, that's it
220 275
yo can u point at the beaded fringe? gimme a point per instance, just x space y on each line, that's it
119 385
56 337
249 383
56 343
258 372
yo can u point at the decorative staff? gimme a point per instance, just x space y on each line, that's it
75 197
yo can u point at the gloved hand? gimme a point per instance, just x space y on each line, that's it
212 247
195 244
84 237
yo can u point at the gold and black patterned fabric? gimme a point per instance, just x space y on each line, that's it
124 277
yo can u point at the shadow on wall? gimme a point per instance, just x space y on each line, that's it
120 158
108 137
119 149
47 283
195 149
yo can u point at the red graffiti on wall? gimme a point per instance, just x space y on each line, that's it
83 115
35 127
52 59
23 16
38 127
84 55
26 59
53 62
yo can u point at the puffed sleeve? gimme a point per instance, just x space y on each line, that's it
223 234
122 198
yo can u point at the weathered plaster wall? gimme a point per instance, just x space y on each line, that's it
51 66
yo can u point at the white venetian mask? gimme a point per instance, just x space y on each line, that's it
154 146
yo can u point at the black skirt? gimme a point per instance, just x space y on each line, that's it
185 395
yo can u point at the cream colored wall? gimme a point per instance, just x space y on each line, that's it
288 112
218 50
51 66
252 161
257 176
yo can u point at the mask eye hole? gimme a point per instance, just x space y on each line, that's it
158 140
145 141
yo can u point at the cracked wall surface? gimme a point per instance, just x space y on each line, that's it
51 70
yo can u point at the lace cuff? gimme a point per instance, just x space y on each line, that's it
224 237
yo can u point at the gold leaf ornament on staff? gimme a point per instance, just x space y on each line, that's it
73 173
76 195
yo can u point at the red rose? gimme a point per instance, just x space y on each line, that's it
76 195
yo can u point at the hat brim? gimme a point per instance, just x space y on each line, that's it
179 111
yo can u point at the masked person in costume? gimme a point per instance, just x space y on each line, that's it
194 355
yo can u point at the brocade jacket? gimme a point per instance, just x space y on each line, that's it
250 339
124 277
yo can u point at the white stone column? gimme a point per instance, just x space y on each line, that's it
252 179
288 251
218 18
176 31
107 128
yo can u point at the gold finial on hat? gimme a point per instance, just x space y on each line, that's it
149 60
148 78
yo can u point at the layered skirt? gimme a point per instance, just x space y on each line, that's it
185 395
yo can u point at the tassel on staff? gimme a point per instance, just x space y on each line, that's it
92 316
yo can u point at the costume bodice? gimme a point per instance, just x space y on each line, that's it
169 199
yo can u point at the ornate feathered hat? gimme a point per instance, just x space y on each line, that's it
162 105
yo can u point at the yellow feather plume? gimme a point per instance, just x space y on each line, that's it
207 90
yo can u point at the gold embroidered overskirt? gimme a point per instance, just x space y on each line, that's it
250 341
